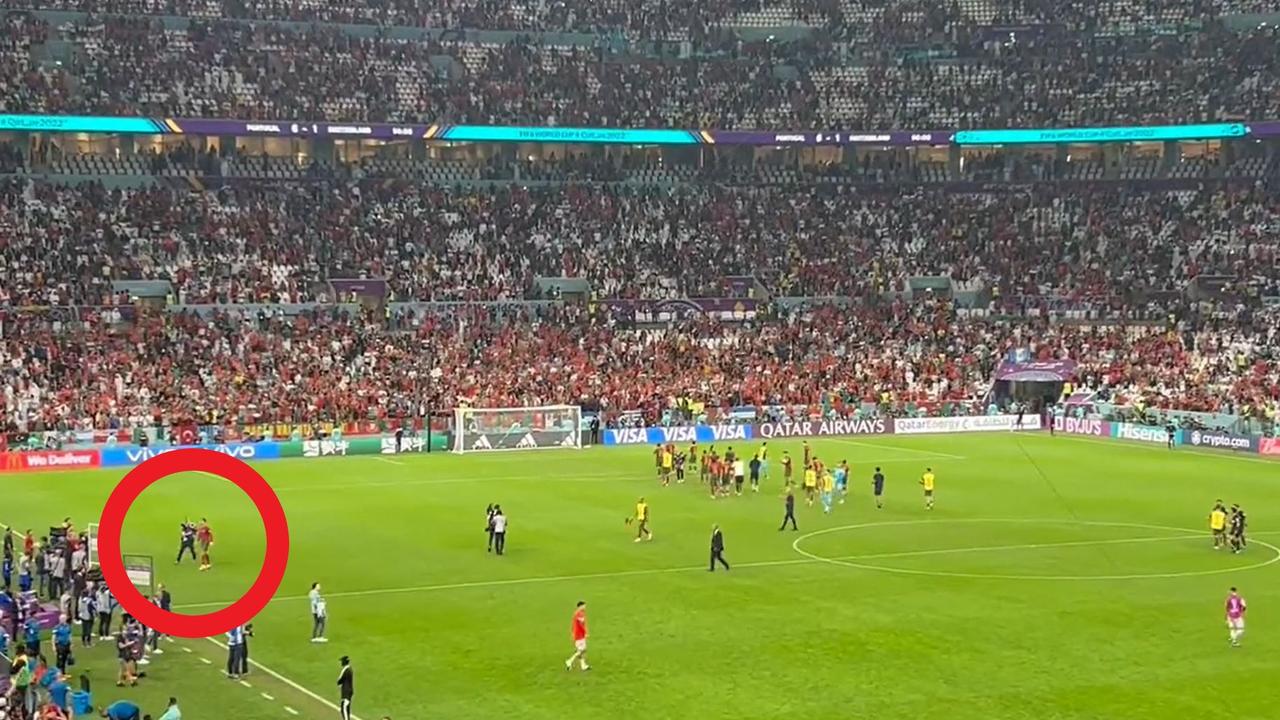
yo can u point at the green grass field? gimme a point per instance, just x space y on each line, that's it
1057 578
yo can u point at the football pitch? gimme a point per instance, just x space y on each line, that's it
1056 578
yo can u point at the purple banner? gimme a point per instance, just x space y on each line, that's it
296 128
1264 129
821 428
1081 426
373 287
838 137
1036 371
656 311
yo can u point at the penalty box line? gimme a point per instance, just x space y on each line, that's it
1188 535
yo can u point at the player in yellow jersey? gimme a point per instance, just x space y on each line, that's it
668 460
763 456
926 481
810 483
1218 525
642 521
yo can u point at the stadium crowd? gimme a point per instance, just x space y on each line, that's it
63 245
238 367
127 65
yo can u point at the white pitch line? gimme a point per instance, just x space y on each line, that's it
1190 534
186 649
387 460
882 446
206 661
267 696
290 710
245 683
288 682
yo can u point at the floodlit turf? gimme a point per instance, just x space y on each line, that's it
988 607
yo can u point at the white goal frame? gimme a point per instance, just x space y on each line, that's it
515 437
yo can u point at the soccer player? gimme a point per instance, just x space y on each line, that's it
877 487
1236 608
755 474
1171 432
1236 529
680 461
188 542
842 479
763 456
579 634
657 459
693 454
319 614
1218 525
789 502
926 481
810 483
204 534
828 492
642 521
786 467
808 453
668 465
739 476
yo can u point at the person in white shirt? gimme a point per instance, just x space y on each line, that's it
319 612
499 530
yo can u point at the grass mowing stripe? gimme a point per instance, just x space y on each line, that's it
1190 535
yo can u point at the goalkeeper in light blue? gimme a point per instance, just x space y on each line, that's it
842 479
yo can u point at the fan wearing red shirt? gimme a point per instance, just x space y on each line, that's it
579 637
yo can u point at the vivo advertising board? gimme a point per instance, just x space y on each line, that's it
965 424
684 434
1221 440
134 455
822 428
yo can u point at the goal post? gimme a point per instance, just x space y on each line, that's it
526 428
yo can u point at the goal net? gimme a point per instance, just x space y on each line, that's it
530 428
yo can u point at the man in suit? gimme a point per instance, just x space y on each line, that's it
717 549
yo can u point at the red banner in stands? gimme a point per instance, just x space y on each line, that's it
49 460
1269 446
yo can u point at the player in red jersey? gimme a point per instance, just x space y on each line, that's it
204 536
579 631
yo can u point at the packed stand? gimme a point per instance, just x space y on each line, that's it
135 65
264 243
238 367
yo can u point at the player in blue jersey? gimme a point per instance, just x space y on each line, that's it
842 479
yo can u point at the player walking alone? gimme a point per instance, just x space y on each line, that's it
642 521
927 481
1236 608
579 633
877 487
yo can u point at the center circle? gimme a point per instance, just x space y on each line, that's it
852 562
